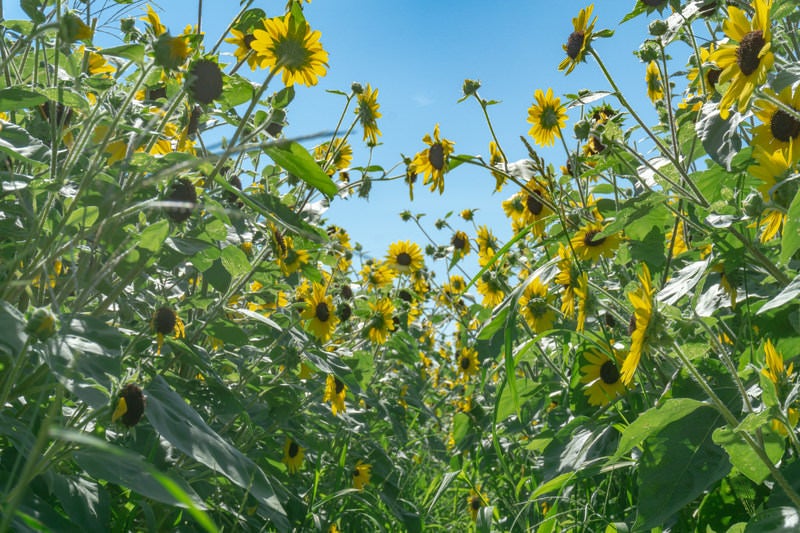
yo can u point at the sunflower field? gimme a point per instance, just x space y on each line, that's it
186 343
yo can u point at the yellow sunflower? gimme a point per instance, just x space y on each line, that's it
779 131
710 72
578 40
292 455
404 257
166 322
97 64
334 157
377 276
775 369
335 391
771 168
293 259
591 248
130 405
536 210
642 301
368 114
381 321
319 311
451 291
461 245
655 89
601 376
568 278
548 117
491 287
362 473
468 364
243 50
535 306
746 59
487 245
290 45
154 21
432 162
475 501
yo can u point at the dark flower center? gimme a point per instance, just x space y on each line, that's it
534 203
356 473
165 320
784 126
405 295
712 75
475 503
182 191
403 259
293 449
609 373
589 239
338 385
436 156
278 236
458 242
465 363
575 44
748 50
134 401
347 292
344 312
322 312
205 81
248 40
632 325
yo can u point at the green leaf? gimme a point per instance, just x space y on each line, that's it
497 322
787 295
455 161
742 455
12 330
235 261
154 235
296 160
134 52
183 427
720 137
652 421
238 90
790 239
552 485
83 217
15 98
17 143
775 520
682 282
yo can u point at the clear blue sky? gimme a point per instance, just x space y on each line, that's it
417 53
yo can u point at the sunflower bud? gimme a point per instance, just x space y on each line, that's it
74 29
470 87
42 324
357 88
204 81
753 204
658 28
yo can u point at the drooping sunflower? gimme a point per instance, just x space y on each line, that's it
432 162
335 391
655 88
294 258
775 369
362 474
475 501
642 301
747 58
779 131
130 405
461 244
292 455
171 52
567 277
243 51
154 21
547 116
404 257
497 161
579 40
380 322
368 114
601 376
771 168
535 306
468 364
289 45
166 322
589 247
320 313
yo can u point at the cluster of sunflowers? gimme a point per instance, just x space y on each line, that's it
192 320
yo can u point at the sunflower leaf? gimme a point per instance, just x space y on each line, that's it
296 160
720 137
790 239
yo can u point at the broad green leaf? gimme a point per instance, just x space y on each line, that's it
720 137
447 479
787 295
631 211
497 322
742 455
775 520
235 261
238 90
296 160
12 330
68 98
790 238
83 217
455 161
183 427
682 282
652 421
552 485
15 98
86 503
153 236
134 52
17 143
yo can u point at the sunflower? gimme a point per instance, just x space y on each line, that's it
319 311
475 501
292 455
591 248
491 286
578 40
404 257
468 362
432 162
97 64
171 52
290 45
461 245
536 210
377 275
334 156
367 110
335 391
582 293
243 50
535 306
642 301
567 277
601 376
655 88
548 117
204 81
775 369
771 168
451 291
381 322
780 130
130 405
746 60
362 473
487 245
154 21
497 161
293 259
710 72
164 322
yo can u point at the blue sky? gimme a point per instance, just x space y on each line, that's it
417 53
